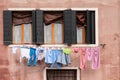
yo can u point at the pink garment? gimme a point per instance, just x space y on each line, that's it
95 59
89 54
82 58
75 50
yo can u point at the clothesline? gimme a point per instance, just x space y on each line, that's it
38 70
58 45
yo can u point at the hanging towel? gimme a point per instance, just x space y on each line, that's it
75 50
82 58
14 49
67 50
25 53
63 58
32 57
55 54
89 54
40 53
96 57
48 57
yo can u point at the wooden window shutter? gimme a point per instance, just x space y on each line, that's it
93 26
74 28
7 27
70 27
90 29
39 27
33 27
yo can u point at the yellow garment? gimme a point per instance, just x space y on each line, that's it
67 51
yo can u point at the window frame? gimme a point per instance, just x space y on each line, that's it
77 9
63 68
96 25
20 9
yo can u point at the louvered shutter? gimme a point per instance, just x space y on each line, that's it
33 27
90 29
70 27
74 29
39 27
7 27
93 27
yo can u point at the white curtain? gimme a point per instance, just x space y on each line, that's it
17 34
79 35
27 33
48 33
58 33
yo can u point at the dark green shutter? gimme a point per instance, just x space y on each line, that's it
93 26
70 27
7 29
90 29
74 28
33 27
39 27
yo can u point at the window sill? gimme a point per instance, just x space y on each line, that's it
57 45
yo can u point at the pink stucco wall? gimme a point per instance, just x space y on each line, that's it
109 34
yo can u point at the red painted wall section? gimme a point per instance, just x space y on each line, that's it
109 34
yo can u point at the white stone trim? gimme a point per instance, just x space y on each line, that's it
75 68
53 9
21 9
84 8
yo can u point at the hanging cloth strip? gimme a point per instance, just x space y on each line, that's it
89 54
48 57
14 49
24 53
63 58
40 53
67 50
33 57
75 50
55 54
82 58
96 57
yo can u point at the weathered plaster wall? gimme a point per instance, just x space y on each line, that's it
109 34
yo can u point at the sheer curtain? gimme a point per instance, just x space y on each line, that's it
27 33
17 34
47 34
79 35
58 33
18 31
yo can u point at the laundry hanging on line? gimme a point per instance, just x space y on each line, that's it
61 56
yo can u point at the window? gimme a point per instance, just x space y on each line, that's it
85 21
19 27
71 26
53 27
22 31
62 74
79 27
